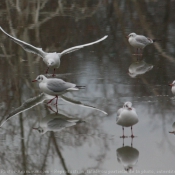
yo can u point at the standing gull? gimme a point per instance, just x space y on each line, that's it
55 86
139 41
127 117
50 59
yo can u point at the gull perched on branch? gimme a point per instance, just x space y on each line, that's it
139 41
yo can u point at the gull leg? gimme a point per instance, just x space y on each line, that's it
51 109
56 100
132 136
172 132
56 103
131 141
51 100
47 70
123 134
141 52
53 73
123 142
137 53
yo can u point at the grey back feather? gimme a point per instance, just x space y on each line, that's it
58 124
58 85
142 39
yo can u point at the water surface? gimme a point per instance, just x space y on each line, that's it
93 147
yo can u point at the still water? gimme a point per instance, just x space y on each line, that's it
112 76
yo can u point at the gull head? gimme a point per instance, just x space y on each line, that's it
172 84
40 78
40 130
132 35
127 105
172 132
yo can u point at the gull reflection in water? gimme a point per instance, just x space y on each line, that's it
173 126
127 156
56 122
32 102
138 68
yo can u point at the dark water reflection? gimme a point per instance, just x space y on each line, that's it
103 68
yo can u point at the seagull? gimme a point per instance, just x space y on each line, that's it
139 41
56 122
127 117
128 157
50 59
139 68
55 86
173 126
172 87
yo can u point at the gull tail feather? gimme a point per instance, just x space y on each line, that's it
156 40
73 89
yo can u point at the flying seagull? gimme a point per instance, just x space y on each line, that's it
50 59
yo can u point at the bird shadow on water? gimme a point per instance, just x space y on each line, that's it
127 156
42 98
139 67
56 122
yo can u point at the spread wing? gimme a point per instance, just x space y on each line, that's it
72 49
58 124
27 47
58 85
143 40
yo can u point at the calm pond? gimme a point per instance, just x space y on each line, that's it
112 75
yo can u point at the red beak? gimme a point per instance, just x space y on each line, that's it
35 128
127 36
170 84
130 108
34 80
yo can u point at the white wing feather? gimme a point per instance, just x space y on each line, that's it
27 47
72 49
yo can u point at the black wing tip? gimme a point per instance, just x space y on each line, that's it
81 87
156 40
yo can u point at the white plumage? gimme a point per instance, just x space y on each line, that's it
139 41
50 59
54 86
172 87
127 117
